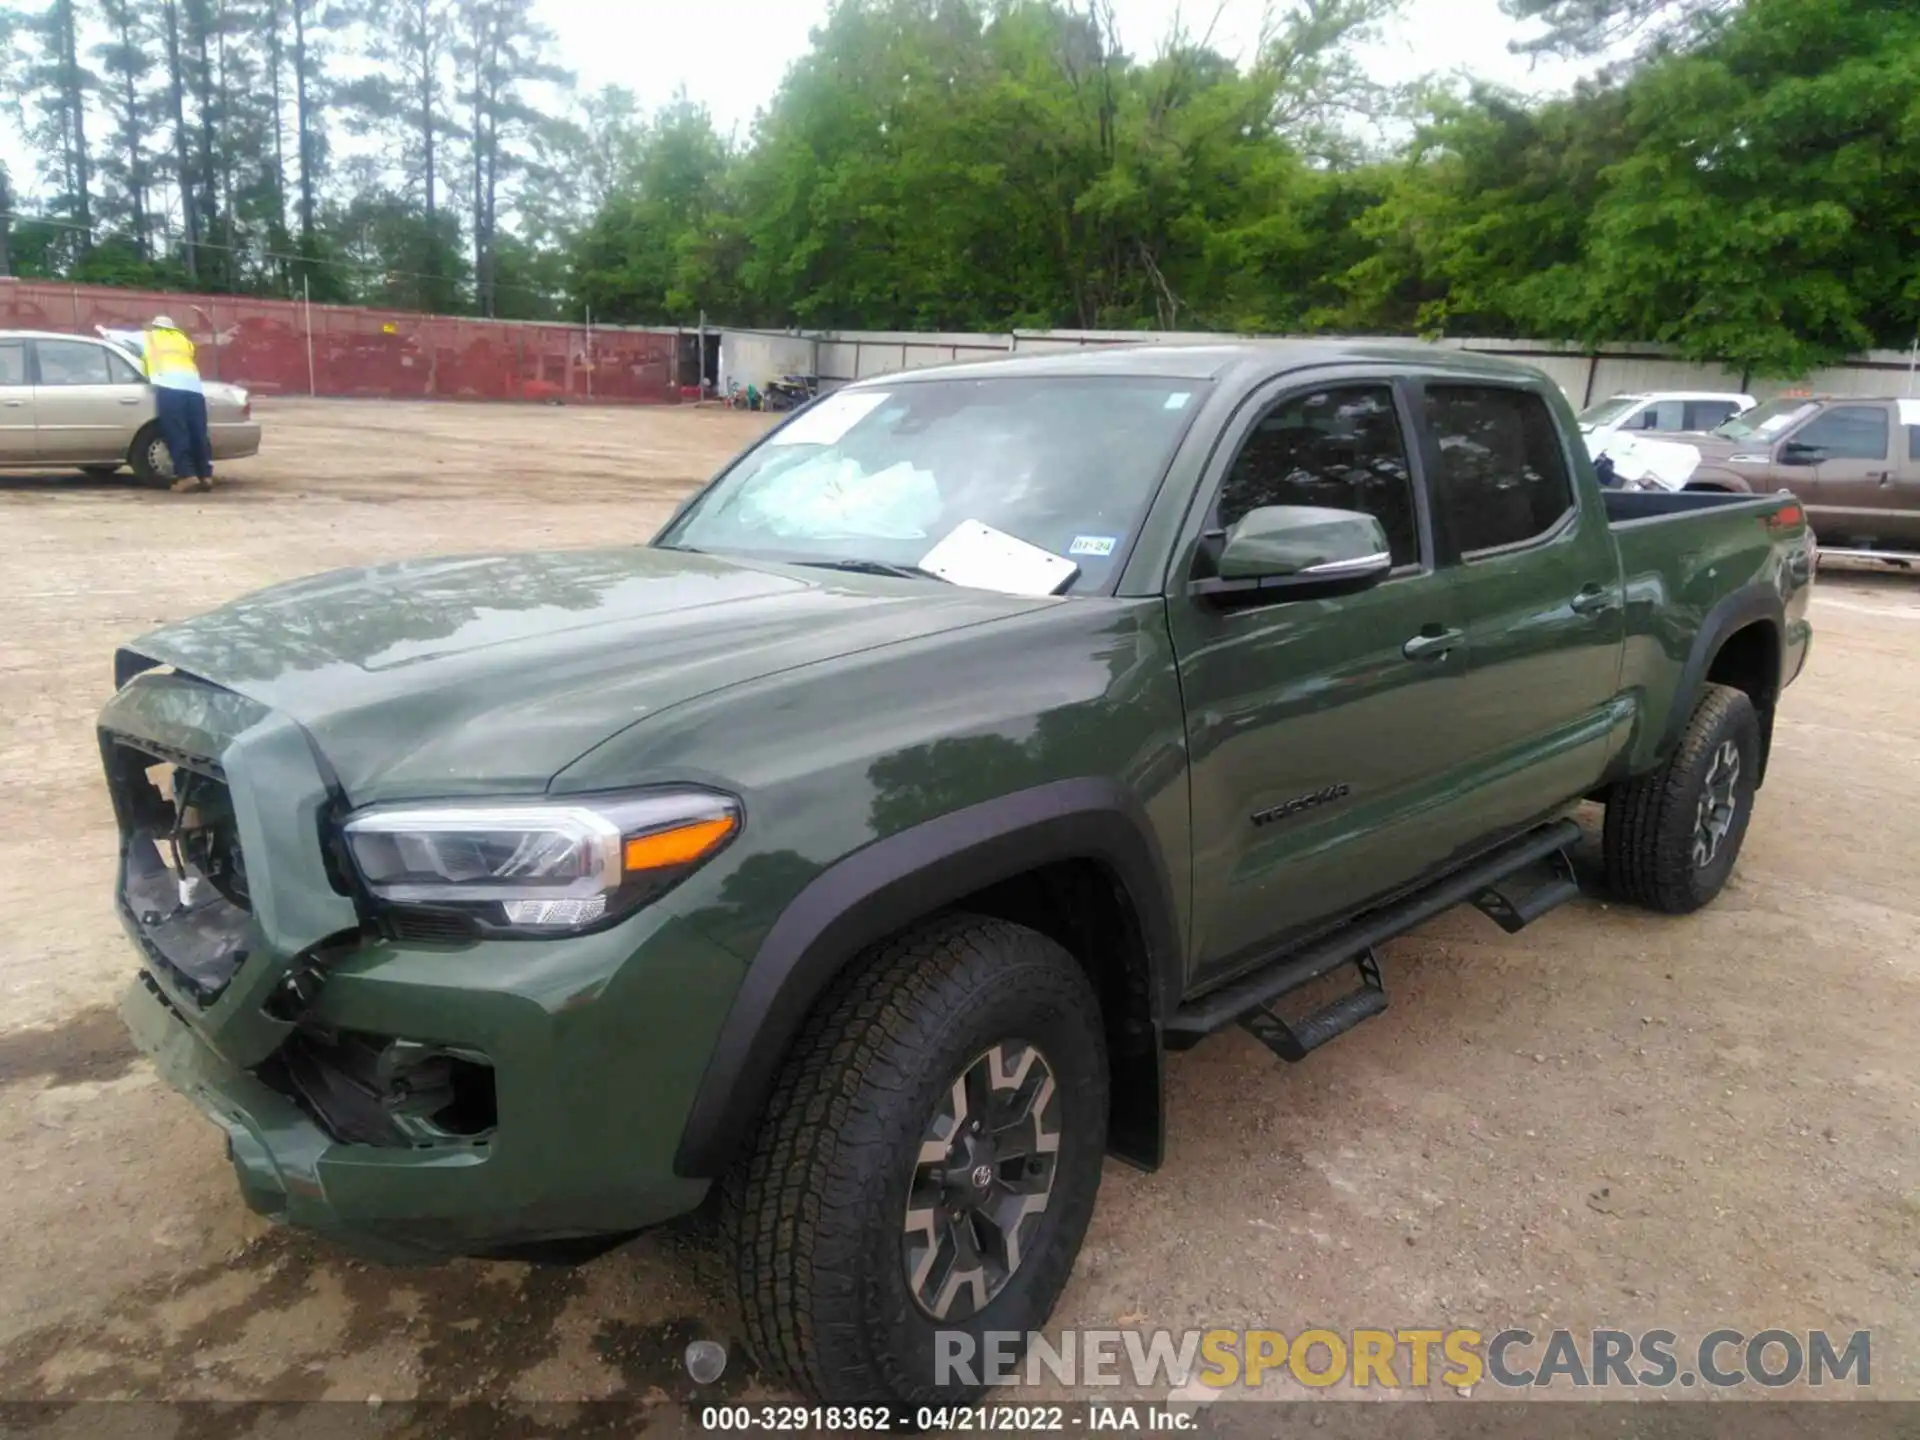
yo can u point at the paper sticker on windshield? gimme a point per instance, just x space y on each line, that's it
1092 545
830 418
1774 424
1178 400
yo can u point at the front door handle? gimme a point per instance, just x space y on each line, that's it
1592 601
1434 645
129 399
1880 477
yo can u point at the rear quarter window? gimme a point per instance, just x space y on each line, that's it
1705 414
1502 474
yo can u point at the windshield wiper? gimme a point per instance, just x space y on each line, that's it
874 567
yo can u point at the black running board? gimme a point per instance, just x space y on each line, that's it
1246 1001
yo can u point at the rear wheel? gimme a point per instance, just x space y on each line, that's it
152 462
927 1165
1672 837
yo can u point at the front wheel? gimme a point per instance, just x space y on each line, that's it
926 1168
152 462
1672 837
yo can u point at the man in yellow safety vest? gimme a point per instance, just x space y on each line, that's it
179 401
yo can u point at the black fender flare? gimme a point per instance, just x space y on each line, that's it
888 885
1755 604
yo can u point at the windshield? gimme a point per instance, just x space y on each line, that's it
880 476
1608 411
1765 422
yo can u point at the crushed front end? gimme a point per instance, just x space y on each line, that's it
412 1090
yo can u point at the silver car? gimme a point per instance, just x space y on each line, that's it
71 402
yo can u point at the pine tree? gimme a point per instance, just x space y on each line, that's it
126 61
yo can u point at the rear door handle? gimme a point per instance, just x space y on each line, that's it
1592 601
129 399
1435 646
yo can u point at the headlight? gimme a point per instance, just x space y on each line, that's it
540 868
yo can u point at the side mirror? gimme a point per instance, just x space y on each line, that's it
1297 552
1794 453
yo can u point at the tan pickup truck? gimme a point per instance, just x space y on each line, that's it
70 402
1854 463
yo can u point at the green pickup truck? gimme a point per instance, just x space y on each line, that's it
854 853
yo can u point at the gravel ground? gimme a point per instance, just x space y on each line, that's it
1610 1120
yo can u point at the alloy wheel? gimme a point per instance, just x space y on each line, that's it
1719 804
982 1181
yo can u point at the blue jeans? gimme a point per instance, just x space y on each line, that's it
183 425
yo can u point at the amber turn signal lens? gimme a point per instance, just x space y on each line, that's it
679 846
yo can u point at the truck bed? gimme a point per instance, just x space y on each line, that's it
1682 555
1636 507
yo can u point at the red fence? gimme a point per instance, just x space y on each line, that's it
282 347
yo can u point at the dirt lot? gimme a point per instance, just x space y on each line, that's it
1610 1120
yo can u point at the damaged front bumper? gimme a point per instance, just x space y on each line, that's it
410 1098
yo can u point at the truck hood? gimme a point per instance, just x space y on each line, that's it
490 674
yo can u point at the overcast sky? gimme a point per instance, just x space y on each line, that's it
732 56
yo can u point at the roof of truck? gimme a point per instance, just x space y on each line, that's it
1216 361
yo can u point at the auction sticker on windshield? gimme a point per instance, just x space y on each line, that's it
988 559
829 419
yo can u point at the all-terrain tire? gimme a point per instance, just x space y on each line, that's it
813 1215
1655 850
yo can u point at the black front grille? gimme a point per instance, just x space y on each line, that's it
183 877
429 927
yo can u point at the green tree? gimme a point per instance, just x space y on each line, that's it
641 258
397 256
1483 228
56 88
500 50
1595 27
1766 215
126 60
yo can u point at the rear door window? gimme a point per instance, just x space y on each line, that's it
13 362
1502 475
1846 432
119 372
1705 414
72 362
1668 415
